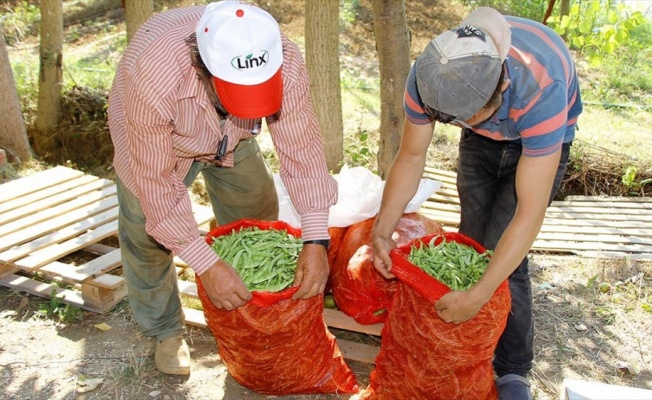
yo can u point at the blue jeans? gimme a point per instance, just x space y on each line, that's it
486 186
245 191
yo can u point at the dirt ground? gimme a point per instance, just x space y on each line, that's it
581 332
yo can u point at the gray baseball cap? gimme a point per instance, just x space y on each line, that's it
459 69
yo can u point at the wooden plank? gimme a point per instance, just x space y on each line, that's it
358 351
10 209
35 182
441 216
203 214
339 320
188 289
595 230
440 174
59 235
81 273
7 269
443 191
626 224
45 290
108 281
598 212
54 252
437 198
90 200
451 208
56 223
195 317
610 199
604 204
32 286
552 245
595 238
611 217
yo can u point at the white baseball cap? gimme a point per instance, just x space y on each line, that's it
458 71
240 45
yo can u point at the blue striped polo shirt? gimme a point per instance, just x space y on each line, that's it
540 106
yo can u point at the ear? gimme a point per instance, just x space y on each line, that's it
505 85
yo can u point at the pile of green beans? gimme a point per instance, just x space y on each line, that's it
266 260
456 265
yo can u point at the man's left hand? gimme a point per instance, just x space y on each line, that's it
312 271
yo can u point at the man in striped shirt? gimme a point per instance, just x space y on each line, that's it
189 96
511 85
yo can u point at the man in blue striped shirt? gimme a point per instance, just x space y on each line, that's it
511 85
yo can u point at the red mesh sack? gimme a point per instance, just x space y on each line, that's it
274 344
359 290
423 357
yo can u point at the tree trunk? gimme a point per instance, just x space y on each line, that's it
14 137
393 47
49 88
323 63
136 13
564 9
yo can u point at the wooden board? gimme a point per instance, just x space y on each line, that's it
591 226
51 214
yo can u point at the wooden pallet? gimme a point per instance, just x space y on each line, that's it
591 226
49 215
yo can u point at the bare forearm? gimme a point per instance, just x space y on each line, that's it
513 246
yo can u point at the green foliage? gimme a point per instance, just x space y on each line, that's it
630 180
57 309
348 11
596 29
359 153
19 22
531 9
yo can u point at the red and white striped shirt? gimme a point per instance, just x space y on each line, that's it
161 120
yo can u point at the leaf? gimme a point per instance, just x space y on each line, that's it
88 384
249 56
103 326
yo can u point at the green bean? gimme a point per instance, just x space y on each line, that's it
265 259
456 265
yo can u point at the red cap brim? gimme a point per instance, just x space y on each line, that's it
251 101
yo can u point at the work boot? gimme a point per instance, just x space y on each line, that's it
172 356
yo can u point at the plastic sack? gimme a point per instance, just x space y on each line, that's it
359 195
359 290
423 357
274 344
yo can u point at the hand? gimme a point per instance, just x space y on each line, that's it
457 306
312 271
382 261
224 286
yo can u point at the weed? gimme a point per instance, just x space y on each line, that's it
359 153
134 367
58 310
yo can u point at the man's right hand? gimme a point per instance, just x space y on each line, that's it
224 286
